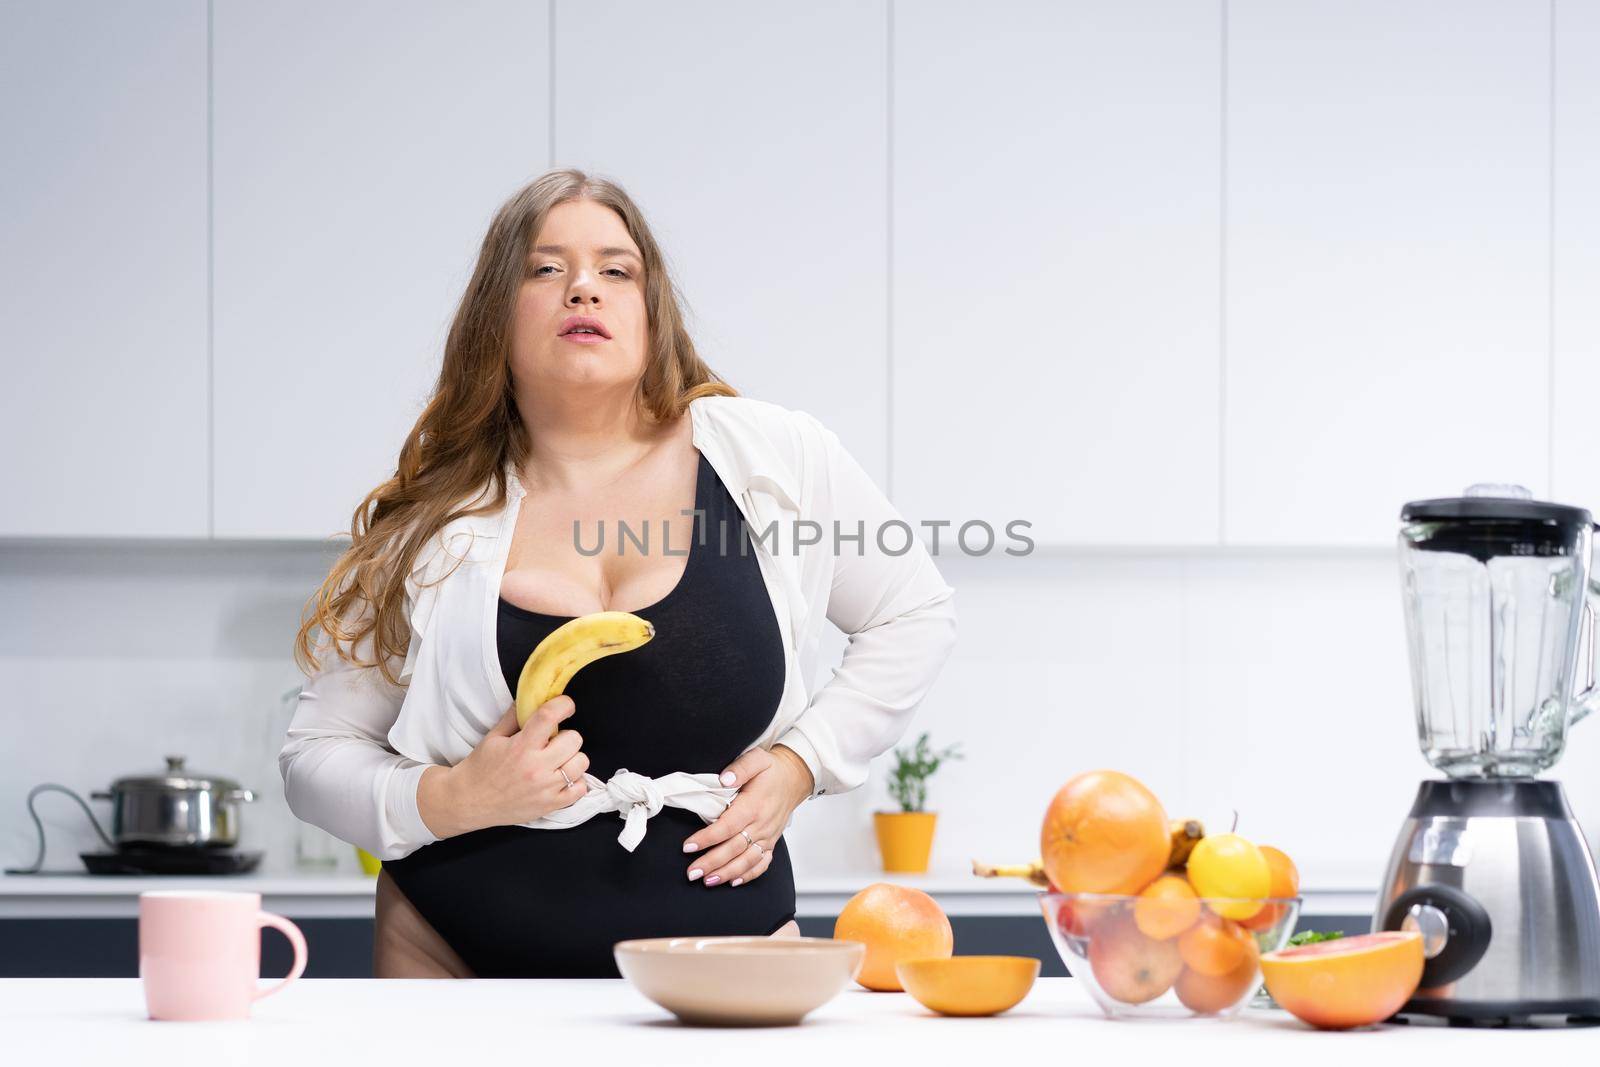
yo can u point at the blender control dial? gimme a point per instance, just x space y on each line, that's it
1432 924
1455 930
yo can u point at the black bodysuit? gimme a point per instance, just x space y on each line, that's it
515 902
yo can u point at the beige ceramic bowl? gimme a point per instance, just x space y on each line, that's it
739 981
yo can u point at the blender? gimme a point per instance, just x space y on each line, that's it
1491 867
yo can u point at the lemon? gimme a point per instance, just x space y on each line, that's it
1228 867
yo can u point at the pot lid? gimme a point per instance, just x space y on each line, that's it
175 778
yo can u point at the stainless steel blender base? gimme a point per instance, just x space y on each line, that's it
1489 1014
1504 865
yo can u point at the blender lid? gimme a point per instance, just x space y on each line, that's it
1495 502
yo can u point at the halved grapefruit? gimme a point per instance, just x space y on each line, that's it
1350 981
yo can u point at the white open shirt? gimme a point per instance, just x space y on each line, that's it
357 745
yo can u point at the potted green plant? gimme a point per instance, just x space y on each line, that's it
905 837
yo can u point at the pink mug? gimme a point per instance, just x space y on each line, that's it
200 952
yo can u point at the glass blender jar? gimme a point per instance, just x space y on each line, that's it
1497 587
1491 867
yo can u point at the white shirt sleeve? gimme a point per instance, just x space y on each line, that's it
898 613
338 771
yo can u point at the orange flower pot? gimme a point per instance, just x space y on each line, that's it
905 839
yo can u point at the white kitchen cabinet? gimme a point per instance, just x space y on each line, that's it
1056 268
754 139
1388 261
103 413
361 151
1576 387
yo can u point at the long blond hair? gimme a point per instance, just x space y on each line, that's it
470 428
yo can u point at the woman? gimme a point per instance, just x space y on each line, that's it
571 401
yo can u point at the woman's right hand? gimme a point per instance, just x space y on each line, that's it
514 776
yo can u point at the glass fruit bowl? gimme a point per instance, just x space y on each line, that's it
1162 956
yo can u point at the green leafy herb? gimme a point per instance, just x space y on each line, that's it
909 780
1310 937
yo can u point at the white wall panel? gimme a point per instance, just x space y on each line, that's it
1056 236
753 137
1297 700
103 269
1062 665
1388 260
361 151
1576 385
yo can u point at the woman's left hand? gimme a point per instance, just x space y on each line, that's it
772 784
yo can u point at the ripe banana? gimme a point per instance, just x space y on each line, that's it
572 646
1186 833
1033 872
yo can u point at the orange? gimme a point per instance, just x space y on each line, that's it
1166 908
1214 946
1285 883
1232 872
1104 832
1210 993
1350 981
895 923
1129 966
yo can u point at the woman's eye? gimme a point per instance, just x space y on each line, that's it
609 270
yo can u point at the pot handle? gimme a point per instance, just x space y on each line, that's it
243 795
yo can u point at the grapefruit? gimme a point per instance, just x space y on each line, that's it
1129 966
895 923
1350 981
968 985
1284 884
1104 832
1231 870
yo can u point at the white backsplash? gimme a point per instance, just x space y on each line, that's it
1273 683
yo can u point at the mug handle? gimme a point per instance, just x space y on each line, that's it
297 940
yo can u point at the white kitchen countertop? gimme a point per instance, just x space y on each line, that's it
346 1021
312 896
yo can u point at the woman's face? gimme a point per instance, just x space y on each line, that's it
581 263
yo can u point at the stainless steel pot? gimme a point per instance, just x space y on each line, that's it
176 808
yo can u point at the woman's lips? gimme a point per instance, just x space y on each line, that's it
584 338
